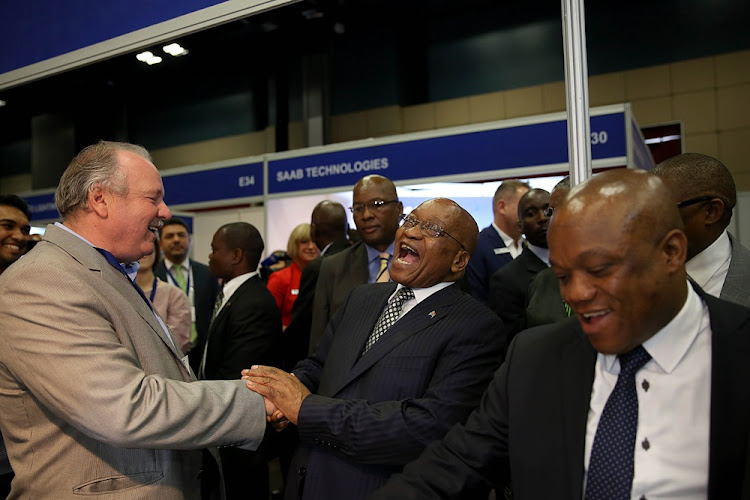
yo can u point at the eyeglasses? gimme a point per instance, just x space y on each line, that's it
693 201
376 205
426 228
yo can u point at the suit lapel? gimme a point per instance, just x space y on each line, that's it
577 363
355 342
413 322
87 256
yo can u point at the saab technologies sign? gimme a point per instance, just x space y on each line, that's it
483 151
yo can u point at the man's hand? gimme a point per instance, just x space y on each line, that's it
279 388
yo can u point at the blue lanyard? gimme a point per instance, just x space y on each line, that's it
153 290
174 281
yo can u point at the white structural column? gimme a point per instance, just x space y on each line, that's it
577 90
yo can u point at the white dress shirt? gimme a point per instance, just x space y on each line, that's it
419 295
514 249
674 396
232 285
709 268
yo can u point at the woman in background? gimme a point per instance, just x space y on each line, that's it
284 284
169 301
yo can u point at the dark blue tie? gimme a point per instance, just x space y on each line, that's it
610 473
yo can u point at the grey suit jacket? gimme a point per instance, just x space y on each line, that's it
93 396
737 283
339 275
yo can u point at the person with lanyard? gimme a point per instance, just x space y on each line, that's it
96 398
191 277
169 301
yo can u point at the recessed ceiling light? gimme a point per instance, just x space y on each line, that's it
148 57
2 103
175 49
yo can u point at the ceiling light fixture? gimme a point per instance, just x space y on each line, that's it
175 49
149 58
2 103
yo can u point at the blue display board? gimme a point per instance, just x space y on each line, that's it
31 32
240 181
483 151
42 206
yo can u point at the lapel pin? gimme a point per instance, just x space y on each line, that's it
432 314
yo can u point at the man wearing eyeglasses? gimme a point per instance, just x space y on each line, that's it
375 208
400 363
705 193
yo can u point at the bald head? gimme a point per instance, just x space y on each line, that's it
328 223
705 191
434 244
617 247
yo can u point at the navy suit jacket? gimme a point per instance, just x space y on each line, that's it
534 414
491 254
206 288
509 288
369 415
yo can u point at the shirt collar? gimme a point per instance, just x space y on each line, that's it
509 242
422 293
542 253
131 268
374 253
670 344
704 265
232 285
169 264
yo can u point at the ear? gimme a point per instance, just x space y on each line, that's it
674 250
714 211
237 256
99 200
500 206
460 261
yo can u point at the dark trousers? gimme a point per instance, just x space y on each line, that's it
5 480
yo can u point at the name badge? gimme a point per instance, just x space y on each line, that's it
295 291
502 250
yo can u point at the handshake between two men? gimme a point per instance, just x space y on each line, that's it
282 393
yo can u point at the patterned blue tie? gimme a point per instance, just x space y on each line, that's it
610 474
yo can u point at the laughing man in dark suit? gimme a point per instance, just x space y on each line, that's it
617 246
366 405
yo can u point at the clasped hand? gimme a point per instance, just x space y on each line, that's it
283 393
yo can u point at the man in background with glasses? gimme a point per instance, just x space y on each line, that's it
705 194
399 363
375 208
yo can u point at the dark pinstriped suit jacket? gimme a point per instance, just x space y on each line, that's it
369 415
